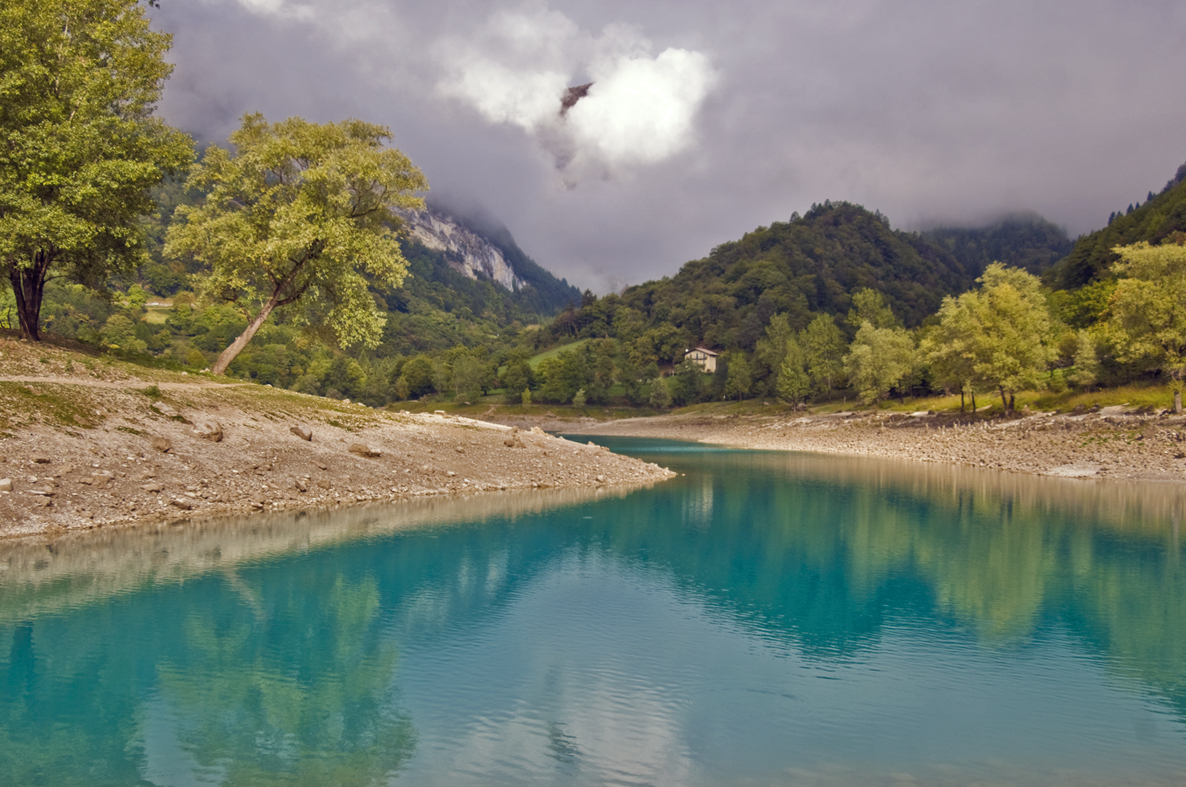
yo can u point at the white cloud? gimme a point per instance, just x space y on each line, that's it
640 110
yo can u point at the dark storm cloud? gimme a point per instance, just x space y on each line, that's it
708 119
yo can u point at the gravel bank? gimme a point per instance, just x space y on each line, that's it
1114 442
86 443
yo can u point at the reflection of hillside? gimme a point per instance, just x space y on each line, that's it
82 568
823 549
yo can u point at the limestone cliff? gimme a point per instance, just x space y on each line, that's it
466 251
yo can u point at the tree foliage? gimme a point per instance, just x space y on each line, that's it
1148 310
80 149
878 360
999 335
300 212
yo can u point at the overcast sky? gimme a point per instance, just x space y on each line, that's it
708 119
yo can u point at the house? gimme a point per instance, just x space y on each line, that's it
705 359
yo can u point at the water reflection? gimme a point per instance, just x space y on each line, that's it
765 616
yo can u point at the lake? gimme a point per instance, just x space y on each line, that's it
765 618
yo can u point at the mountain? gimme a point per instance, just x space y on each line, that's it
465 251
809 265
1092 256
480 248
1020 240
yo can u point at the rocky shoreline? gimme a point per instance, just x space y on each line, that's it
1112 442
113 444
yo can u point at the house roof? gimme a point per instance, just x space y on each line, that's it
705 351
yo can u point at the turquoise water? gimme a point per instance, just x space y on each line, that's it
762 619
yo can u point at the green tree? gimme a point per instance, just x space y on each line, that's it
468 375
517 377
415 378
740 379
870 306
823 349
794 383
300 211
1149 310
878 360
1010 331
687 383
948 347
81 148
772 348
1087 365
660 393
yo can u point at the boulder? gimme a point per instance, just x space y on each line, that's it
369 451
208 430
40 460
302 432
300 485
182 503
151 486
162 444
5 484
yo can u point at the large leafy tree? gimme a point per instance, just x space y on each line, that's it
878 360
300 212
1149 310
1010 333
998 336
79 146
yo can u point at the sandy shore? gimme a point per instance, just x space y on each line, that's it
86 442
1114 442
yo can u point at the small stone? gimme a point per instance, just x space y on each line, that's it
601 479
300 485
162 444
40 460
100 479
323 483
208 430
42 492
368 451
302 432
151 487
5 484
460 450
451 474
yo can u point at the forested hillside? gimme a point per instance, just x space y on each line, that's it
1023 240
810 265
1092 257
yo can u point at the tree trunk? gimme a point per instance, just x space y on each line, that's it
1004 401
1177 401
28 287
236 347
961 400
973 393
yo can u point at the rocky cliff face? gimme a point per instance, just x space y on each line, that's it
466 251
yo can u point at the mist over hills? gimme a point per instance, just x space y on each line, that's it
1021 240
1161 215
